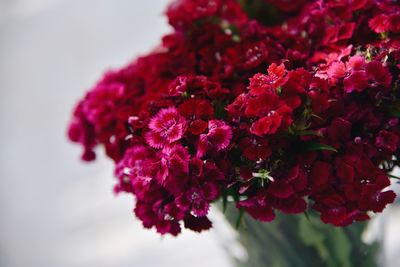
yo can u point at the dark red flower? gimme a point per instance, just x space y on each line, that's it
373 199
257 209
197 112
255 148
344 170
218 137
262 104
387 140
197 224
319 176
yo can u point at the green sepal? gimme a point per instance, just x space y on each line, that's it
315 146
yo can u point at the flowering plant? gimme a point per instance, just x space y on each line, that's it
274 104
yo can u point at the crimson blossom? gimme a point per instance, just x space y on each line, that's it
275 105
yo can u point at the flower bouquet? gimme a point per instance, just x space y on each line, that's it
267 107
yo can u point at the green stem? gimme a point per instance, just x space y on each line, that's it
393 176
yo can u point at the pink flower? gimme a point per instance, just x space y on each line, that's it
198 200
336 70
218 137
380 23
356 63
166 127
219 134
384 23
378 75
172 168
356 81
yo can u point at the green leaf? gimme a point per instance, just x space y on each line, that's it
394 113
393 176
340 247
314 146
313 236
224 201
239 219
291 240
219 110
307 216
308 133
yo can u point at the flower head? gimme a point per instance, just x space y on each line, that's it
166 127
218 137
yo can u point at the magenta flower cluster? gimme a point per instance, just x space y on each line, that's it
276 105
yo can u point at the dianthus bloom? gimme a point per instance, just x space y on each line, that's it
290 113
166 127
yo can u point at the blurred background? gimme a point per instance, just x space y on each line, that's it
55 210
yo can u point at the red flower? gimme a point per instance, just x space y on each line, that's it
267 125
255 148
373 199
262 104
197 112
319 176
197 224
287 5
257 208
378 76
338 33
275 120
237 107
261 83
344 170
